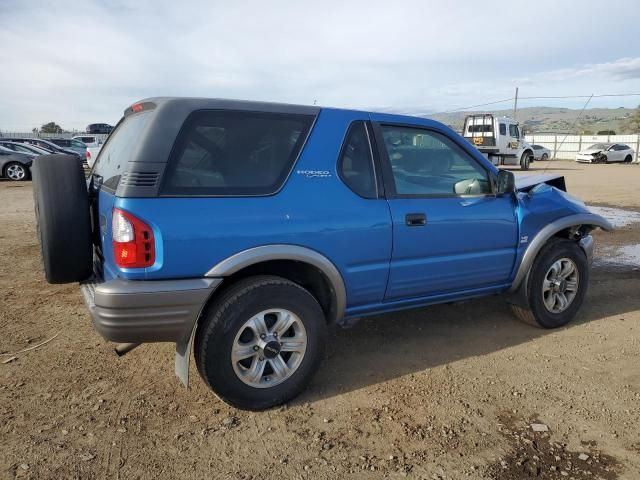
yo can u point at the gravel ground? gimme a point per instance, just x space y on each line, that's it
445 392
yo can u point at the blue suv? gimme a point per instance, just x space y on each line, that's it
242 230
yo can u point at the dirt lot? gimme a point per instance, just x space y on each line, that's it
445 392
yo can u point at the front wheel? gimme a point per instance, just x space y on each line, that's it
16 172
525 161
544 157
260 344
557 285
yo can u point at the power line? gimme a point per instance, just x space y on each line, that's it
547 97
473 106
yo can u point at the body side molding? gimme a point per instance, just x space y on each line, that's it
266 253
550 230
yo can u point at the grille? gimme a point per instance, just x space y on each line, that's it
139 179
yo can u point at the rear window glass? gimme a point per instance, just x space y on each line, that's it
116 152
235 153
480 128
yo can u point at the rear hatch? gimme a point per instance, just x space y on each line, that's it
480 130
104 179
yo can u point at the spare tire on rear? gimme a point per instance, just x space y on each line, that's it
62 214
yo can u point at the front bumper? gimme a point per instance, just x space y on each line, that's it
129 311
585 158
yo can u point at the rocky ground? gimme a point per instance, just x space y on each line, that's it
448 392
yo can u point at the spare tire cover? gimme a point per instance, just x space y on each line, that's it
63 220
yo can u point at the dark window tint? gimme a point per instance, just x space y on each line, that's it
480 128
356 164
427 163
115 154
503 129
223 152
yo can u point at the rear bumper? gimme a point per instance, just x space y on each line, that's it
147 311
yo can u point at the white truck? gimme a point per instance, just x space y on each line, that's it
499 139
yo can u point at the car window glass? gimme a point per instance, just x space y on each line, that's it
428 163
513 130
503 129
235 153
356 163
115 154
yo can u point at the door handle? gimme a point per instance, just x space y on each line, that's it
416 219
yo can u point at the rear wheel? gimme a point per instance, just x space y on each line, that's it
544 157
16 172
628 159
556 286
261 342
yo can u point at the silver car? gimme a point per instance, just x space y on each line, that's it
606 153
540 152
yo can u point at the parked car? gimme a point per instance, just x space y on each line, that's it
45 144
606 153
91 154
70 144
540 152
15 166
99 128
24 148
89 141
241 230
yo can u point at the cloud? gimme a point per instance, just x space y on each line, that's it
83 62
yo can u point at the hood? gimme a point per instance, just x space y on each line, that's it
527 182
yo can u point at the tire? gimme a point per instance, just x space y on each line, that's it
224 330
537 312
61 205
16 172
628 159
525 161
604 159
544 157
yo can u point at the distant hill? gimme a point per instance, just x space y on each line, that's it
548 119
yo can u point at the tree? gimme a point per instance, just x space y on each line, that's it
633 122
51 127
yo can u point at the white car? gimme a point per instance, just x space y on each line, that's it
89 140
540 152
91 155
606 153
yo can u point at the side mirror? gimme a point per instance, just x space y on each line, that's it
505 182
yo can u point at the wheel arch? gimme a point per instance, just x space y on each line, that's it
575 227
301 265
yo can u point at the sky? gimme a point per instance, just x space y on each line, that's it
81 62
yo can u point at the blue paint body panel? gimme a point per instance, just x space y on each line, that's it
469 246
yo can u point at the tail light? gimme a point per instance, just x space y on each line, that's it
87 154
133 244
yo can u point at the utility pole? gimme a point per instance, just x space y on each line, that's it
515 104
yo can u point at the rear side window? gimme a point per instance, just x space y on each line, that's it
222 152
115 154
356 163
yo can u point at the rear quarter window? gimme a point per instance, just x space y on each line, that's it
234 153
117 151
